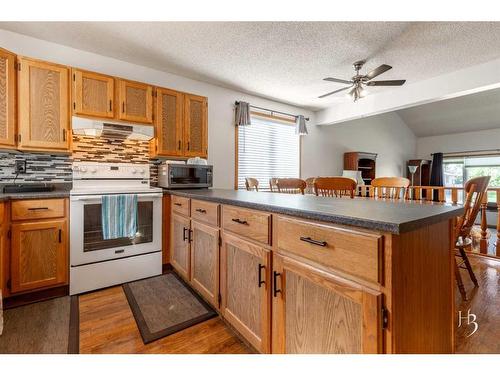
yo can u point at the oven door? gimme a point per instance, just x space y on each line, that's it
86 240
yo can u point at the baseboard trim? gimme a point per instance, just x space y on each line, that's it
40 295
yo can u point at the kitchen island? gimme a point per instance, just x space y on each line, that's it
306 274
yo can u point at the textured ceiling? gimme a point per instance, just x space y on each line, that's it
285 61
479 111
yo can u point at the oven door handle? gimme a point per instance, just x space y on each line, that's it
92 197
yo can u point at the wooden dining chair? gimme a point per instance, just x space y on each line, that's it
475 190
251 184
272 184
334 186
291 185
389 187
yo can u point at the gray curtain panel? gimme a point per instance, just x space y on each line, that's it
242 114
300 125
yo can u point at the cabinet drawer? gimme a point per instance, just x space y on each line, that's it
206 212
249 223
37 209
2 212
354 252
180 205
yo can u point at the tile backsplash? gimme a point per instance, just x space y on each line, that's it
57 168
39 167
110 150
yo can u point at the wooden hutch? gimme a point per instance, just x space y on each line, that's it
365 162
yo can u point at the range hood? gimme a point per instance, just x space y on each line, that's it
97 128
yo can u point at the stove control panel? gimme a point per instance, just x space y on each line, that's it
110 171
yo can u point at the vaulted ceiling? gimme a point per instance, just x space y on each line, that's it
467 113
285 61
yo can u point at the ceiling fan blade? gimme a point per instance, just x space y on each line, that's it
394 82
337 80
378 71
334 92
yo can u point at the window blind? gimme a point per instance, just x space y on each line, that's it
267 149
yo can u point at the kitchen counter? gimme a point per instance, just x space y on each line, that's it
388 216
61 191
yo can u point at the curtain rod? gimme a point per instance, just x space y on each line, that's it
469 152
270 110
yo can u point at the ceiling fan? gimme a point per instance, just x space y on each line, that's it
358 82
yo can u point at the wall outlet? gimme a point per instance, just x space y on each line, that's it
20 167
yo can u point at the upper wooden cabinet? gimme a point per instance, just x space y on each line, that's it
195 126
181 124
93 94
43 106
169 122
136 101
7 99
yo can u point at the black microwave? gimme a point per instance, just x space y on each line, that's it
185 176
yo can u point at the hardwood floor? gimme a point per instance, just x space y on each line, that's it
485 303
108 326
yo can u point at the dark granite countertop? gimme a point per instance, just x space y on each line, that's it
61 191
389 216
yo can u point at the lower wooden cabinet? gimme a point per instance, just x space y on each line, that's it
205 261
245 286
180 256
39 255
318 312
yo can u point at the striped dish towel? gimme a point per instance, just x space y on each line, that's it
119 216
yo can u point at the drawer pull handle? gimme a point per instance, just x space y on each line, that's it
60 235
201 210
184 230
314 242
37 208
244 222
178 204
275 283
261 282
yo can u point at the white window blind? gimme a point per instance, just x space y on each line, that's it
267 149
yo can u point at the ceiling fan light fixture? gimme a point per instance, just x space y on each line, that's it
358 83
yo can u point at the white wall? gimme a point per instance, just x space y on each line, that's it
220 100
469 141
386 134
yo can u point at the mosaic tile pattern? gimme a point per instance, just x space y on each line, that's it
57 168
110 150
39 167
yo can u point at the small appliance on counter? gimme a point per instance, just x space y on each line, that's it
185 176
197 161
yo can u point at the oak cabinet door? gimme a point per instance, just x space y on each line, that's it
93 94
245 289
205 261
136 101
7 99
43 106
195 126
180 256
39 255
169 122
318 312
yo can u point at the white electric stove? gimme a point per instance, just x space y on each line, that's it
98 263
